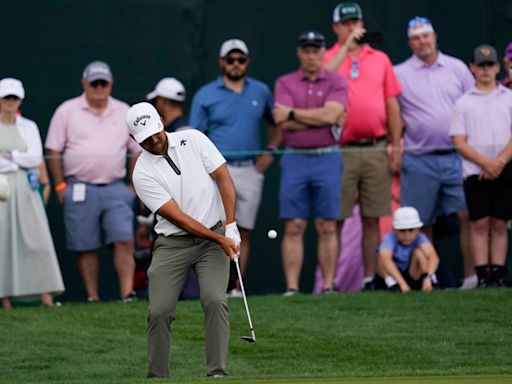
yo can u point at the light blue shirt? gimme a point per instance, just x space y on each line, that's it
402 253
232 121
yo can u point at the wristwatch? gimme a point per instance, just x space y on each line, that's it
291 115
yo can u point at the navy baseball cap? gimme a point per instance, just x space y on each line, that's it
311 38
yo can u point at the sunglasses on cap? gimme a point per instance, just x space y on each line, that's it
99 83
11 97
418 21
240 60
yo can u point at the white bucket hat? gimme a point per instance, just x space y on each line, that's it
406 218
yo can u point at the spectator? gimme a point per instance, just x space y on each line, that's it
309 104
407 258
168 98
431 178
28 263
507 66
87 143
372 111
229 110
190 232
481 130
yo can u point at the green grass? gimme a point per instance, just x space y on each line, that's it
446 336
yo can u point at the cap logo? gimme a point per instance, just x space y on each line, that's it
141 119
485 51
311 35
348 10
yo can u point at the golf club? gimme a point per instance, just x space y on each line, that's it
252 338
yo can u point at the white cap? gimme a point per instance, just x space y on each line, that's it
231 45
170 88
406 218
10 86
143 121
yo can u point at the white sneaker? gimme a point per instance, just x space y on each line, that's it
235 293
469 282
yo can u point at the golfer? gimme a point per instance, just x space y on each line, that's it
184 179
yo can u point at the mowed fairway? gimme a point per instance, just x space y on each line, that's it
443 337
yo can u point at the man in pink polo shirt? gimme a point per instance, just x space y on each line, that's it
309 104
87 143
372 110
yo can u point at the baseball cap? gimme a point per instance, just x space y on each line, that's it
143 121
170 88
406 218
10 86
508 52
418 25
97 70
346 11
313 38
232 45
484 54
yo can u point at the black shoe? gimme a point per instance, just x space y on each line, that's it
369 286
217 374
394 288
128 299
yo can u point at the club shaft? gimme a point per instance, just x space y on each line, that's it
244 297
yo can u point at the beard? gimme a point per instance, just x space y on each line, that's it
235 75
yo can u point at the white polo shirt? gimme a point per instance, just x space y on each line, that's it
194 191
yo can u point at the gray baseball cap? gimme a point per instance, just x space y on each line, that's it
484 54
97 70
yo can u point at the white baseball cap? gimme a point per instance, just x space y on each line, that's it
170 88
231 45
10 86
143 121
406 218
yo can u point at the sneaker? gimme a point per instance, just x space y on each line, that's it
290 292
217 374
394 288
235 293
369 286
91 300
329 291
469 282
128 299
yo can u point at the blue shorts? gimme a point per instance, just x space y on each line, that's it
432 184
310 181
109 207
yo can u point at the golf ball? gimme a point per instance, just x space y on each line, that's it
272 234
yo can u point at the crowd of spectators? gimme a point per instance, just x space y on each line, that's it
347 121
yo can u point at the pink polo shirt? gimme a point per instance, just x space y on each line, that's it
367 93
486 121
94 146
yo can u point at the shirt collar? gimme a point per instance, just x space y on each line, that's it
440 61
219 82
85 105
302 75
497 91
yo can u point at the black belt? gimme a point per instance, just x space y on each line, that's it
366 142
443 152
217 225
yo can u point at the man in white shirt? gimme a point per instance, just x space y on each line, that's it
184 179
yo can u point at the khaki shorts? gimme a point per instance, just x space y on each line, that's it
367 178
248 184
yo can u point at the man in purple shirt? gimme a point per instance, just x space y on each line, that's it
431 178
309 104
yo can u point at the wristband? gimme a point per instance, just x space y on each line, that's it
60 186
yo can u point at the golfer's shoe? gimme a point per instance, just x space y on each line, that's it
128 299
217 374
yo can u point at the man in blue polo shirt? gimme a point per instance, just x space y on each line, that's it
229 111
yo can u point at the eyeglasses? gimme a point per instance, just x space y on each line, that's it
418 21
240 60
11 97
354 70
99 83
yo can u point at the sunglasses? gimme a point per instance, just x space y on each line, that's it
354 70
240 60
418 21
99 83
11 97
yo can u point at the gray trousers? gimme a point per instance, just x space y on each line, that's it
172 258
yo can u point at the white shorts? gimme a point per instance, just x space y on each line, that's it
248 185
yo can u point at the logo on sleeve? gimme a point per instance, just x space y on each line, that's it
183 142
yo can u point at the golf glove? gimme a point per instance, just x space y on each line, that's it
232 233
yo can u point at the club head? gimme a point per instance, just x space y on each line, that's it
248 338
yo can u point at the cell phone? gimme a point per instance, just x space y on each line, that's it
371 38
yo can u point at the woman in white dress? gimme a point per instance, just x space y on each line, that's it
28 263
